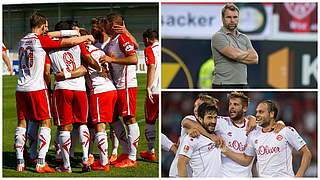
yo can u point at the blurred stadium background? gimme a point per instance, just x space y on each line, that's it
138 17
297 109
283 34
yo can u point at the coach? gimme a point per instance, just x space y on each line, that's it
232 52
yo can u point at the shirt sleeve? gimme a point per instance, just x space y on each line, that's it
248 43
3 47
83 49
48 43
187 146
294 138
166 143
249 150
149 56
219 41
126 45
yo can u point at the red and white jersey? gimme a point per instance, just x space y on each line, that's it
69 59
205 157
97 83
4 49
152 56
32 58
274 151
173 172
235 138
124 76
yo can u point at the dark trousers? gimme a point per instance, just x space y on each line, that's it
230 86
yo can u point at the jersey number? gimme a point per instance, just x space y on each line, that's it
69 60
26 57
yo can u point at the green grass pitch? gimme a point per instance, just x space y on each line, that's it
143 169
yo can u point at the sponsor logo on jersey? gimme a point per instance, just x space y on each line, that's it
211 146
279 137
186 148
236 145
265 150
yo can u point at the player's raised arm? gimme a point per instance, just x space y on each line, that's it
63 33
68 42
123 30
305 161
129 60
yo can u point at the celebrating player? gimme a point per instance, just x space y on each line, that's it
152 55
204 156
31 93
273 150
201 98
69 98
123 59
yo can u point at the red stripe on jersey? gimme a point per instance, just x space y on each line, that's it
126 45
48 43
95 50
83 49
149 56
126 77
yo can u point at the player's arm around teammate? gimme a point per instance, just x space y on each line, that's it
305 161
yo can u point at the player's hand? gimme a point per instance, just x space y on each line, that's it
278 126
194 132
103 72
120 29
105 59
223 147
149 94
252 123
174 148
10 70
218 140
90 38
59 76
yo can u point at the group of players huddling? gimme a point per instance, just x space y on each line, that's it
217 146
96 71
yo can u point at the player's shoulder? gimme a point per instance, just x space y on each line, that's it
288 129
190 117
255 132
223 119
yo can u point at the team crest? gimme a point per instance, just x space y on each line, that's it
129 48
279 137
186 148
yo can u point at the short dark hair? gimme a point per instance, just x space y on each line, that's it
83 32
272 107
241 95
37 19
116 18
150 34
231 7
206 108
208 99
73 23
63 25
